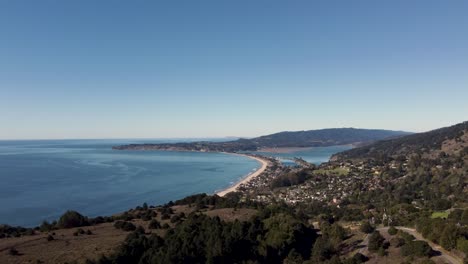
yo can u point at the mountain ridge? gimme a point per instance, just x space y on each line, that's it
307 138
447 141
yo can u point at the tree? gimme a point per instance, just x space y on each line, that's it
448 239
322 250
416 248
72 219
375 241
464 217
462 245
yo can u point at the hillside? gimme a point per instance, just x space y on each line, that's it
311 138
449 140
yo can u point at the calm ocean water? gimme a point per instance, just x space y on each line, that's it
42 179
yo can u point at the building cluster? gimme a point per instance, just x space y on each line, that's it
330 182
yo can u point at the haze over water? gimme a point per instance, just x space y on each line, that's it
43 179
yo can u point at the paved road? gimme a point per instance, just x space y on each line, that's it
445 255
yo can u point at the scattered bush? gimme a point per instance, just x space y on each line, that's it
125 226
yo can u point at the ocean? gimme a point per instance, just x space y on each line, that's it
41 179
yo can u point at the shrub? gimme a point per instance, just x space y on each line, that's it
72 219
46 227
357 259
175 219
392 231
13 251
416 248
154 224
165 216
166 226
50 238
375 241
367 228
89 232
125 226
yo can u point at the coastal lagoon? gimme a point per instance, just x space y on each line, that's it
315 155
42 179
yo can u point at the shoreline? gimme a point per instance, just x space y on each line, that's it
264 164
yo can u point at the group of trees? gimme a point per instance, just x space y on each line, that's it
290 179
449 233
202 239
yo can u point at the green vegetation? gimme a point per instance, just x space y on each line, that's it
392 231
408 144
367 228
335 171
416 248
376 241
442 214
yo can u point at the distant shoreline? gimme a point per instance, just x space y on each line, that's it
246 179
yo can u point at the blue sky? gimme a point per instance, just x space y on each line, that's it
155 69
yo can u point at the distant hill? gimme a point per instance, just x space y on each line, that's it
311 138
447 140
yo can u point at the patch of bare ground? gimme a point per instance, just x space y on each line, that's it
66 247
232 214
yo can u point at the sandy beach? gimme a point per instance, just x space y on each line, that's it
248 178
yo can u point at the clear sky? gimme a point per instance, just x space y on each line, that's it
156 69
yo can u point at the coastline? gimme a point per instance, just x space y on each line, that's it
246 179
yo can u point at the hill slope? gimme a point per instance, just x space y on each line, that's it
311 138
449 140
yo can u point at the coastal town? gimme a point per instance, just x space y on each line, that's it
329 182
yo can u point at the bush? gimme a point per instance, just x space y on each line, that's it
375 241
50 238
416 248
358 258
72 219
13 251
125 226
392 231
46 227
165 216
175 219
367 228
397 242
154 224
